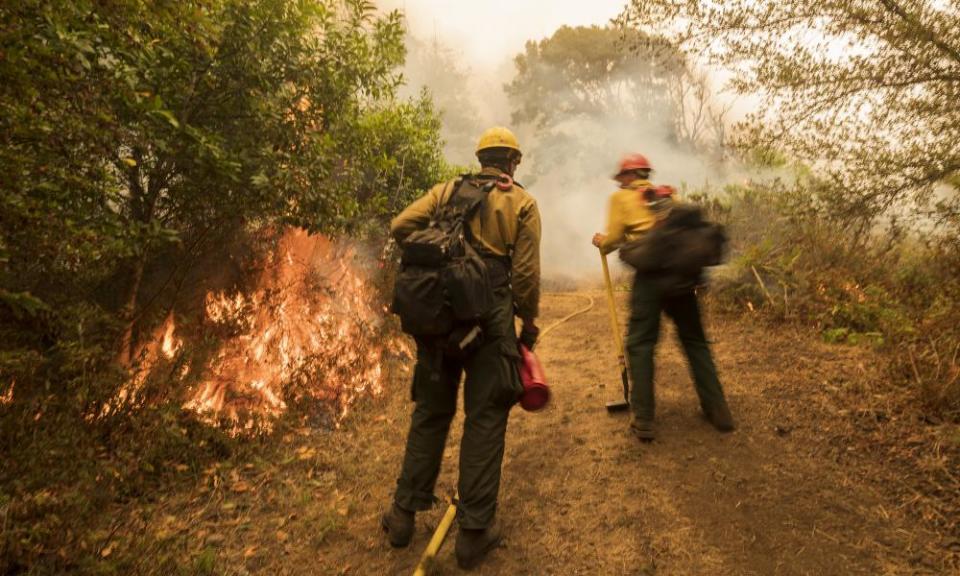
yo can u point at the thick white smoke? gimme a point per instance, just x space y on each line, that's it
573 193
568 168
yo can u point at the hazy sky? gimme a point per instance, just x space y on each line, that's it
573 193
488 31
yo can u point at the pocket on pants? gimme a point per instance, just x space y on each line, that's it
508 387
427 369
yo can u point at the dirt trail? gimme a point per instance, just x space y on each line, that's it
580 495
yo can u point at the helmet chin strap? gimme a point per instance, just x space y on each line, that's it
514 162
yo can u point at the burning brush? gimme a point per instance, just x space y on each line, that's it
310 331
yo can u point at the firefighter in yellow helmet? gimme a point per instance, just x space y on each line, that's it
505 229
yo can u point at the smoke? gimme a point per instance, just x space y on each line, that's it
468 99
576 163
567 167
488 34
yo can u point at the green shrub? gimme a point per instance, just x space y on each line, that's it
143 146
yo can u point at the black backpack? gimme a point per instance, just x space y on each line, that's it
443 281
675 252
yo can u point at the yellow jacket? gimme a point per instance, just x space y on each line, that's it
507 219
628 216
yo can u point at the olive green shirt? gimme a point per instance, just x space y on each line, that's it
507 224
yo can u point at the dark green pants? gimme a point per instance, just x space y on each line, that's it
491 388
646 304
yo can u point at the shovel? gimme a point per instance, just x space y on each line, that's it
620 405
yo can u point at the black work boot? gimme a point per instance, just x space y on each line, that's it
398 524
720 417
642 429
474 545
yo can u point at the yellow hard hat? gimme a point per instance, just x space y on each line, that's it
498 137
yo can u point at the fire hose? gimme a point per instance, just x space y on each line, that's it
569 317
440 534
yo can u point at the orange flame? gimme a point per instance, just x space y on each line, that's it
170 345
164 344
309 330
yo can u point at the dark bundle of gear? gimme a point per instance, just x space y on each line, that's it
675 252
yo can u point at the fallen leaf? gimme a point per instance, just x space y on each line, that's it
306 453
106 551
250 552
216 539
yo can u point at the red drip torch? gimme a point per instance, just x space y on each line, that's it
536 393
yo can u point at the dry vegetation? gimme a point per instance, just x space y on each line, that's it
816 480
875 285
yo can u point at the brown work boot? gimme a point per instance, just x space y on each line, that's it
720 417
642 429
474 545
398 524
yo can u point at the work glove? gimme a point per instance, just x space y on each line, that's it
528 335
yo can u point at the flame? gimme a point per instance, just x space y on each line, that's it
163 344
310 330
170 345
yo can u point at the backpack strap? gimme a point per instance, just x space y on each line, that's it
465 199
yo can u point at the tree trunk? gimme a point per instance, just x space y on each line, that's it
125 354
142 205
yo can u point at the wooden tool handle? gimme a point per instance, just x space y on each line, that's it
614 323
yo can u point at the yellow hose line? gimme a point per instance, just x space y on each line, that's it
440 534
569 317
437 541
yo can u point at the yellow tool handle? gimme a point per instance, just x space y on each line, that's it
614 323
437 541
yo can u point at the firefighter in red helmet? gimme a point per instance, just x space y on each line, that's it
636 208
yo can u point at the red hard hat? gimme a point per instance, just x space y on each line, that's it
633 162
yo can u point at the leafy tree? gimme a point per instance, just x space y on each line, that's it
134 137
140 144
866 91
588 73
